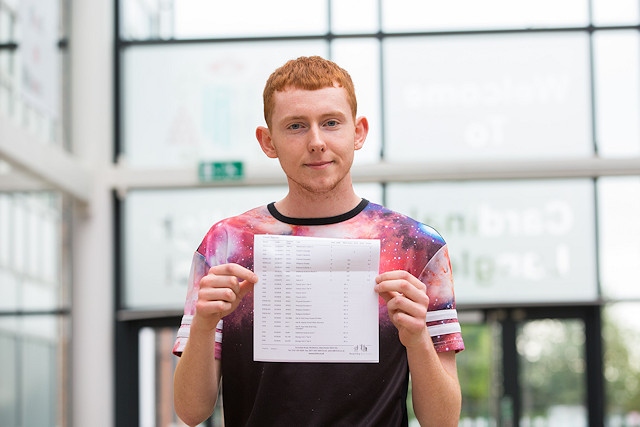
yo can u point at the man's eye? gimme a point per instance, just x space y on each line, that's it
332 123
295 126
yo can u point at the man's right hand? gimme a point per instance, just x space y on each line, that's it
220 292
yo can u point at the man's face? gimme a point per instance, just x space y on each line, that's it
314 136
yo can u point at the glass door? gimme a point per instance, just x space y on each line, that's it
551 358
534 367
480 369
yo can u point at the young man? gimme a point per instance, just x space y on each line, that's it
310 110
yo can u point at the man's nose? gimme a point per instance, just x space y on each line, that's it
316 143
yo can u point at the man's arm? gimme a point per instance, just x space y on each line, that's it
196 378
435 388
434 379
197 375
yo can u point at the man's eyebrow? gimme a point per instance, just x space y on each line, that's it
294 117
334 113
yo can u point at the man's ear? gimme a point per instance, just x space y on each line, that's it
362 129
264 139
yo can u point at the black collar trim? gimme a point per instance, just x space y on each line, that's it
317 221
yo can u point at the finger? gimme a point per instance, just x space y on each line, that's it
236 270
401 276
220 282
416 309
245 287
386 296
395 275
403 287
406 314
218 294
213 301
408 325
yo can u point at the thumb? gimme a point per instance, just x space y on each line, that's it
246 286
386 296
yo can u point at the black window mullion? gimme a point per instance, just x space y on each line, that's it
510 407
595 366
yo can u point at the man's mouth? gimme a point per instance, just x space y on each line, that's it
318 165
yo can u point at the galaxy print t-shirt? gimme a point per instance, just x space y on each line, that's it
323 394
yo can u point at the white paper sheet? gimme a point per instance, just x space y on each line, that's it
314 301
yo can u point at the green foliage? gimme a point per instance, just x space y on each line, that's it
475 370
552 366
552 359
622 366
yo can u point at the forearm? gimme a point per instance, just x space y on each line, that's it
434 385
196 378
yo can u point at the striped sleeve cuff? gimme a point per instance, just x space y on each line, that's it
183 336
445 330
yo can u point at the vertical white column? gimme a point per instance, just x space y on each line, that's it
91 81
147 368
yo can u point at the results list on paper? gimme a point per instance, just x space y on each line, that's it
315 301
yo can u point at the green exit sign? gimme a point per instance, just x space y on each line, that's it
220 171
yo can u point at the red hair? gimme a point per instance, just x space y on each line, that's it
308 73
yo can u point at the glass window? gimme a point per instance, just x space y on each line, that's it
9 385
19 215
33 364
7 83
511 241
361 58
354 16
9 291
186 19
552 362
487 97
30 76
49 240
156 368
141 19
7 23
617 92
6 243
33 370
186 103
621 334
37 82
619 236
615 12
30 225
164 228
480 373
430 15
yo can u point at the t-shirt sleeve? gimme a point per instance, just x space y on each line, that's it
442 316
199 269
